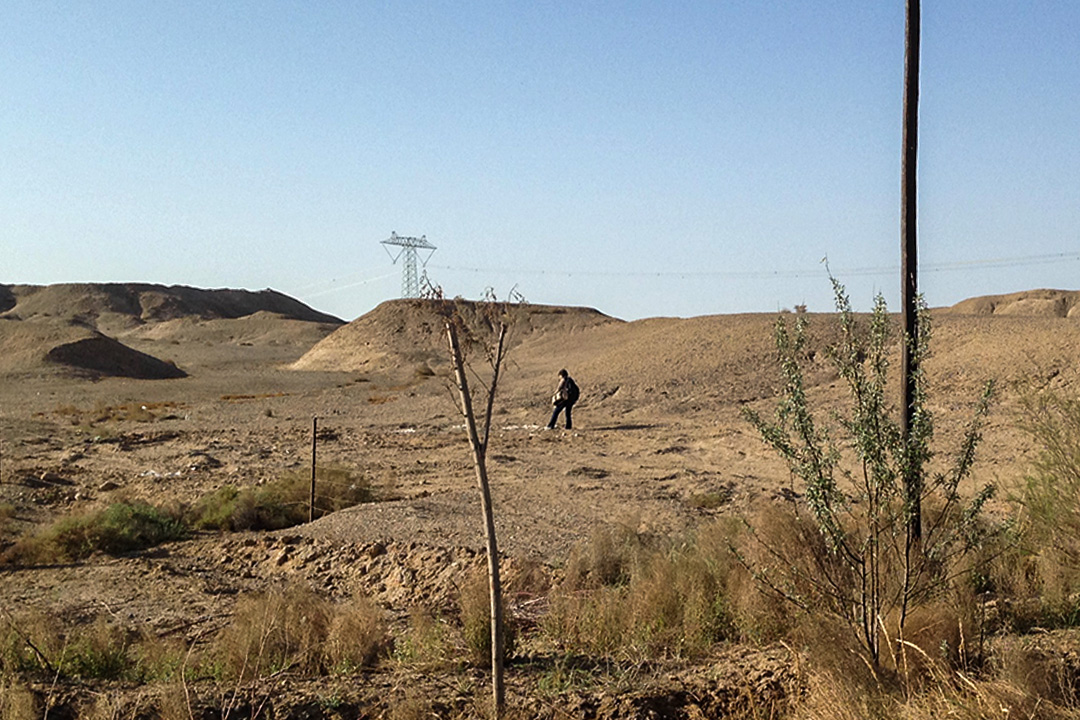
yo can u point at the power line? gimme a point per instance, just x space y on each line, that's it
331 286
1003 262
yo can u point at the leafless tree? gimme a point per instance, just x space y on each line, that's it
494 319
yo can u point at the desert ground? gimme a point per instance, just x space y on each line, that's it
142 392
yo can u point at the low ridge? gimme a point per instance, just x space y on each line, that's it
82 326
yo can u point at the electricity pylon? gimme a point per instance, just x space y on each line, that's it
410 281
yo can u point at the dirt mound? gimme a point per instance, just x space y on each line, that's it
679 365
102 355
114 308
80 326
26 344
260 328
55 344
1030 303
407 334
660 360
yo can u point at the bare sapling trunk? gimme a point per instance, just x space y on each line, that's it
479 453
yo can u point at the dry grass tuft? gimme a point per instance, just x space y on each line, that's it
296 630
426 644
955 695
607 559
274 633
126 412
1040 671
474 604
626 596
18 702
358 637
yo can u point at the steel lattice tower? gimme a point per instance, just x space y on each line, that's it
410 280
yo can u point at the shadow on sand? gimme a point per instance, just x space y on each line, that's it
627 426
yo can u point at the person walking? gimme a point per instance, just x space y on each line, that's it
566 394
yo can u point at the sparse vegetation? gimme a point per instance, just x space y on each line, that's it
358 637
279 504
126 412
1050 504
626 596
37 645
274 633
298 631
849 550
474 604
646 617
426 644
120 528
125 527
294 630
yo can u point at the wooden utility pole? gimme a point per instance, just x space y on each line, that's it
479 453
909 256
314 435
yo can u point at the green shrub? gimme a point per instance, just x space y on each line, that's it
119 528
853 550
279 504
98 652
38 644
21 634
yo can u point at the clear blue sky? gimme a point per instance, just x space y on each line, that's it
643 158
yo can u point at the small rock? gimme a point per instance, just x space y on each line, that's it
107 486
71 456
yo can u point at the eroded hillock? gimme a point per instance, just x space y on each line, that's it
400 334
57 345
89 327
1030 303
114 308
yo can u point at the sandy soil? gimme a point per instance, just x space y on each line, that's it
657 429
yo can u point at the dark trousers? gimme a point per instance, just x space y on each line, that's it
562 405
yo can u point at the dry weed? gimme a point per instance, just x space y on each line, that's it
629 597
18 702
1039 669
426 643
358 637
276 632
173 702
933 642
608 558
474 604
411 707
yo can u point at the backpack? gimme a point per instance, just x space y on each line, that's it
572 391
